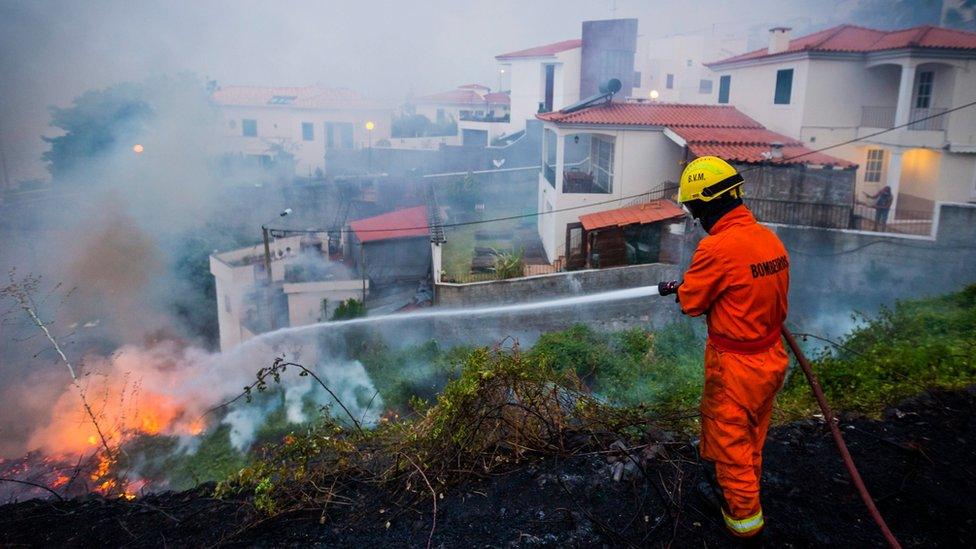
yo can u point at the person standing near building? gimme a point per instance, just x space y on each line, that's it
739 279
882 204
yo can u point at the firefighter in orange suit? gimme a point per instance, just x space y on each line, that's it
738 278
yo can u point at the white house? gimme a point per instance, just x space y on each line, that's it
262 122
608 155
541 79
673 67
480 114
851 82
305 288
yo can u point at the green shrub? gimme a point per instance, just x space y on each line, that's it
349 309
917 345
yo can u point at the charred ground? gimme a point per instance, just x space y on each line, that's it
917 461
517 450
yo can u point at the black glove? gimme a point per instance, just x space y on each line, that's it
668 288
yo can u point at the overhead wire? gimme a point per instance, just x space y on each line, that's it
631 197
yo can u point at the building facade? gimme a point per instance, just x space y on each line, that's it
266 123
613 154
851 83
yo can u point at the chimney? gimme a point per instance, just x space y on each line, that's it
777 150
779 39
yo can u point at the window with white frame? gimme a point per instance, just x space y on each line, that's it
704 86
874 167
923 92
601 160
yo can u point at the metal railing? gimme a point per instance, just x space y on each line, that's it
840 216
472 117
801 214
884 117
935 119
878 117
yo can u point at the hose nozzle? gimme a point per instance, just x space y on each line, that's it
668 288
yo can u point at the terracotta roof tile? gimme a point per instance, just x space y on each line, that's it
655 114
751 145
406 223
498 98
854 39
651 212
548 50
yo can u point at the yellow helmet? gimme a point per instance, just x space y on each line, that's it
708 177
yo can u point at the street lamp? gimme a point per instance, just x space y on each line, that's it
369 131
654 94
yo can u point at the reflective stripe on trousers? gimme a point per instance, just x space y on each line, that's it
744 527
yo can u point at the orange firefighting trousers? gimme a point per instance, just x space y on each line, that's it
735 410
739 278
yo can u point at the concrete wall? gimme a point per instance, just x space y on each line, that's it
611 315
605 44
752 89
833 273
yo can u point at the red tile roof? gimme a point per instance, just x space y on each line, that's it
752 145
549 50
655 114
854 39
651 212
717 130
407 223
498 98
458 96
308 97
474 87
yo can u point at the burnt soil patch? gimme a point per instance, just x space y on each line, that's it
918 462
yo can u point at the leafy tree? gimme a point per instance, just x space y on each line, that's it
962 16
896 14
94 124
410 125
349 309
99 122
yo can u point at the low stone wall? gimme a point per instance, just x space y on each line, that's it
623 313
833 274
836 272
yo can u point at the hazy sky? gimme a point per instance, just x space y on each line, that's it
51 51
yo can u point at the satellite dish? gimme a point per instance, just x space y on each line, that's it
612 86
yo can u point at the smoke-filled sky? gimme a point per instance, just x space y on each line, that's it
51 51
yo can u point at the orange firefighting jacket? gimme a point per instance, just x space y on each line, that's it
739 276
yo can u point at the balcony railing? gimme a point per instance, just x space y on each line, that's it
583 183
878 117
884 117
935 119
472 117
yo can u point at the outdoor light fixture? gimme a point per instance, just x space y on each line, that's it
137 148
285 212
654 94
501 71
370 125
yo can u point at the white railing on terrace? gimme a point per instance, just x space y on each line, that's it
878 117
884 117
935 119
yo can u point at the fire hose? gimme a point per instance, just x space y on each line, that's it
839 439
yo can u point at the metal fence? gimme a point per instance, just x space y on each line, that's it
840 216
